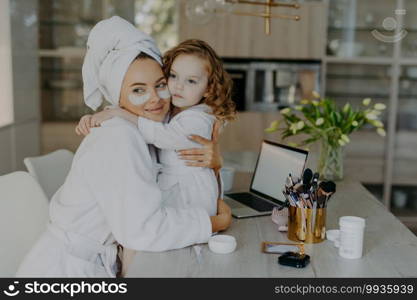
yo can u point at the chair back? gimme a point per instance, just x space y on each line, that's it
50 170
24 214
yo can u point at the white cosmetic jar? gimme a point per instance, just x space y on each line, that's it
333 235
222 244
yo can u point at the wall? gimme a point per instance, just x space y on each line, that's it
243 36
22 137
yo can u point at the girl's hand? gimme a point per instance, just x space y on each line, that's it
208 156
84 125
89 121
102 116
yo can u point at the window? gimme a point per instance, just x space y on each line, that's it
158 18
6 84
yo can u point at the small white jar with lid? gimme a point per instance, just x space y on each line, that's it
351 237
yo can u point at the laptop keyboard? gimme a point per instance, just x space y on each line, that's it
252 201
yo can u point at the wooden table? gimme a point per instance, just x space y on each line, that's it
390 248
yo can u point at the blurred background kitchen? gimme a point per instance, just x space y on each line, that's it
347 50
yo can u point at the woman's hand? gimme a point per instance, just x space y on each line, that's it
208 156
223 219
84 125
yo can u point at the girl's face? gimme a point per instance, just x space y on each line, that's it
188 80
144 90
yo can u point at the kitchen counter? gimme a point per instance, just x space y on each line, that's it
390 249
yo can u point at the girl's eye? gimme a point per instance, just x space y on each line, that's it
172 75
161 85
192 81
139 90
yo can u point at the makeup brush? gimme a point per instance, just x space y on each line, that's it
307 176
328 186
314 186
291 180
315 180
288 201
331 186
326 189
299 187
321 197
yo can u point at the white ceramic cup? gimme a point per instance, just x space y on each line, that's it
351 237
227 174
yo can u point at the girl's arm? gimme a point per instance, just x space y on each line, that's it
176 134
88 121
122 113
110 112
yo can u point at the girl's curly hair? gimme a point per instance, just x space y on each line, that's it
219 82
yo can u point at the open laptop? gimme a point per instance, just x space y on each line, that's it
275 162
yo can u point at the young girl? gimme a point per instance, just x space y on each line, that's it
201 93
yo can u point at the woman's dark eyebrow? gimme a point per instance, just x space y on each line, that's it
137 83
160 79
144 84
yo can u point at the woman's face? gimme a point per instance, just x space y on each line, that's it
144 90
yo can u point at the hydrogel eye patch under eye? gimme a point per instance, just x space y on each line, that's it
164 94
138 100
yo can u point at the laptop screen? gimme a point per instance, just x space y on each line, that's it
275 162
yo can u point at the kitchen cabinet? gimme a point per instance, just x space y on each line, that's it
64 26
371 52
243 36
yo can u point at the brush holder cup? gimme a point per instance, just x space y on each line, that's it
306 225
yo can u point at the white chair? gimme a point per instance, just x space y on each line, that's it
50 170
23 217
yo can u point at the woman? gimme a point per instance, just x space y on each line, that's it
110 196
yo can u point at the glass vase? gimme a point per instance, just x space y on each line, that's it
330 164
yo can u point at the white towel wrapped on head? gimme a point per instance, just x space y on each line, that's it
111 47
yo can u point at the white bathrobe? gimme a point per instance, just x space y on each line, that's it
110 195
183 186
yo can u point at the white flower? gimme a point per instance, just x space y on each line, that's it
346 107
381 131
305 101
377 123
366 101
316 94
380 106
355 123
345 138
298 107
315 102
300 125
273 127
285 111
341 142
274 124
371 116
319 121
293 128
